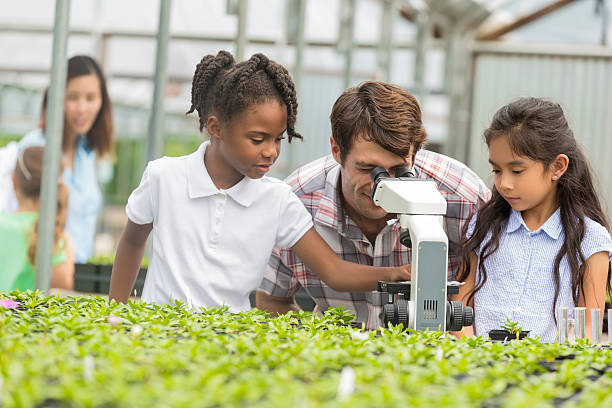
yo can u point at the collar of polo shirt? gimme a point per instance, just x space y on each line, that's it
201 185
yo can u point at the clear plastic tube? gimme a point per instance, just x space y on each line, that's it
563 326
580 322
595 326
610 325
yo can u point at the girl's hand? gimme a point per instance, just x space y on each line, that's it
398 274
339 274
467 331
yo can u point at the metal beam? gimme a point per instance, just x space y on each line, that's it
107 35
300 43
346 38
602 8
385 48
155 141
524 20
54 129
241 40
98 44
543 49
459 76
420 55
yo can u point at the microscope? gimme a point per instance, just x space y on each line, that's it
421 304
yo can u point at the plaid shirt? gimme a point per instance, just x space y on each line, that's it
315 184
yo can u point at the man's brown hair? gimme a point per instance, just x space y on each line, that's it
379 112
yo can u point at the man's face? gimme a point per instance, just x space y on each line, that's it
363 157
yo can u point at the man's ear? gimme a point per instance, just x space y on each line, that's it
214 128
335 150
559 166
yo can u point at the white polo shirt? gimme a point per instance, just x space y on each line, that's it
211 246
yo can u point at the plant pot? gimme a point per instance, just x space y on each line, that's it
105 272
501 335
86 278
140 280
105 278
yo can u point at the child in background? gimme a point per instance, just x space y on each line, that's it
18 230
215 216
542 241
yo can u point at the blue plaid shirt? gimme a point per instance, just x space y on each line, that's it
520 275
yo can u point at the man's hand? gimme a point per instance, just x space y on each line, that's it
275 304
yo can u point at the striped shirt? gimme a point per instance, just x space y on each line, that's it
520 275
316 186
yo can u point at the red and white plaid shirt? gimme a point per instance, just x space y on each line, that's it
315 184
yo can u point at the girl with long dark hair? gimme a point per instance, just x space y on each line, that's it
542 241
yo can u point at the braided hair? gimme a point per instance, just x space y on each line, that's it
224 88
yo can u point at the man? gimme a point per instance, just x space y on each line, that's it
374 124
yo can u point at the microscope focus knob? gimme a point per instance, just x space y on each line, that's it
468 316
454 319
396 313
402 312
388 314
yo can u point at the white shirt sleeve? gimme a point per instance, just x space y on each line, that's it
294 221
8 158
139 208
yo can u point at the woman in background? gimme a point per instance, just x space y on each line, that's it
86 142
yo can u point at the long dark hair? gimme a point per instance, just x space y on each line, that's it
100 136
537 129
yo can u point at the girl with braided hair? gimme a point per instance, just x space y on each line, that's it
214 214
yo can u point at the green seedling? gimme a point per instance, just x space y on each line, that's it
512 326
58 351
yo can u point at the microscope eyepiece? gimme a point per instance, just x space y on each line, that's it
377 173
404 172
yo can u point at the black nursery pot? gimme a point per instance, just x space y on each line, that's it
501 335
